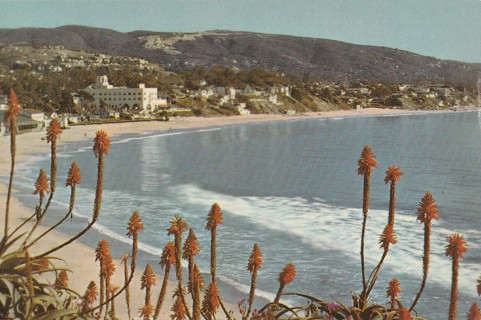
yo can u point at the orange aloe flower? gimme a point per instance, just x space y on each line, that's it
177 226
214 218
255 259
135 224
404 314
366 162
455 249
195 285
91 293
13 107
148 278
191 246
387 237
210 304
73 177
287 275
178 309
62 280
101 143
167 259
474 312
168 255
40 265
146 311
108 266
255 262
41 185
427 209
196 279
393 291
53 130
456 246
102 251
393 175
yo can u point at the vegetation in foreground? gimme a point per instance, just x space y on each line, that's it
33 287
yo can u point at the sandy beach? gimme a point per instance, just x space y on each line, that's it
83 266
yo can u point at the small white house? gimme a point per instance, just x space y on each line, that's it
33 114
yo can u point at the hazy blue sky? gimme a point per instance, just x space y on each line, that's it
448 29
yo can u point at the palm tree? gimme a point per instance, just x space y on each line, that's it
455 249
366 163
427 211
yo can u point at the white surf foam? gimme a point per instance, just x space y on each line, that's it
323 226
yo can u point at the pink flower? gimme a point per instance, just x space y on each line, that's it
333 305
240 302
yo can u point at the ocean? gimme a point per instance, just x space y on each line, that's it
292 187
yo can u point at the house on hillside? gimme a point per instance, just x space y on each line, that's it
249 91
283 90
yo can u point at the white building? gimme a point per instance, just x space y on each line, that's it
33 114
144 98
3 102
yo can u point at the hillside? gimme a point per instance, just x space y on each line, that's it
324 59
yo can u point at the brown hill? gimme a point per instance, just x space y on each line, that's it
324 59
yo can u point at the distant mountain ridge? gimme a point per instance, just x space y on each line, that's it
326 59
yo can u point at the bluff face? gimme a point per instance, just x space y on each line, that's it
321 58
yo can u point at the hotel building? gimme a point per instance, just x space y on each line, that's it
143 98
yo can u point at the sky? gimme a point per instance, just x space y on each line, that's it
446 29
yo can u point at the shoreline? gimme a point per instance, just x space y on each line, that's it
30 144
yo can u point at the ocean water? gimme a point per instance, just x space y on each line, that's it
292 188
